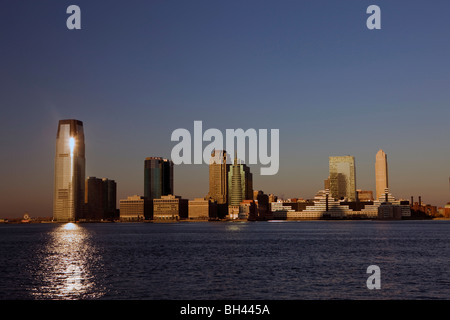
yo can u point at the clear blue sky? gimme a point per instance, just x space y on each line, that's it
137 70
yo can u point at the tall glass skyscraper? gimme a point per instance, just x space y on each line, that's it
240 183
342 178
158 177
218 170
70 163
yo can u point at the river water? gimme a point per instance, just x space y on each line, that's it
225 260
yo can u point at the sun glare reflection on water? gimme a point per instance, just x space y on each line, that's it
66 265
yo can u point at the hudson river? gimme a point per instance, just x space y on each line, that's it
225 260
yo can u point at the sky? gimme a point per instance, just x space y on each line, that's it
138 70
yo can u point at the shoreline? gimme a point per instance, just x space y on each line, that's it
6 221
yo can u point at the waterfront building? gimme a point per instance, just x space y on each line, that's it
100 199
263 211
324 206
218 183
387 197
423 209
109 198
389 211
381 173
280 209
158 180
342 177
247 209
93 199
69 175
446 210
235 187
158 177
240 183
294 204
202 209
233 212
133 208
170 207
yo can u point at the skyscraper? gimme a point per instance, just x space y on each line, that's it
70 162
100 199
110 198
218 168
158 181
93 199
240 183
235 189
158 177
342 180
381 173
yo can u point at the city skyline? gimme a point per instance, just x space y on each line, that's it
228 183
312 70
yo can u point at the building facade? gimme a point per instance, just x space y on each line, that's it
202 209
170 207
342 179
263 211
93 199
218 183
381 173
69 175
247 209
133 208
100 199
158 177
158 180
364 195
109 199
240 183
324 206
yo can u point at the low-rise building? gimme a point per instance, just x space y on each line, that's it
247 209
389 211
170 207
202 209
133 208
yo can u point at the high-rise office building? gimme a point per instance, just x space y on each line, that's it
342 179
93 199
70 162
109 199
381 173
100 199
158 181
218 185
218 181
263 206
235 195
240 183
158 177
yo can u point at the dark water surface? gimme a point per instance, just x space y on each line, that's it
225 260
